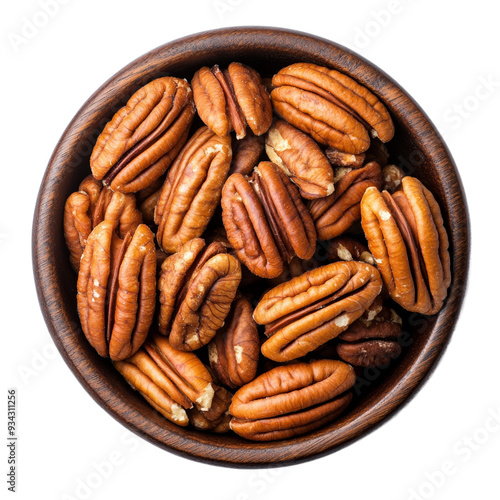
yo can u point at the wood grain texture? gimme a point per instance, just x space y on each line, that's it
417 144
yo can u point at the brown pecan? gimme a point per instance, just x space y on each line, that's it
171 381
335 214
197 286
301 159
347 248
372 339
192 189
266 221
331 107
232 99
88 207
307 311
142 139
117 289
234 351
293 399
340 159
246 156
217 418
406 235
392 176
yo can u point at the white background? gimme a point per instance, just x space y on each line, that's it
445 444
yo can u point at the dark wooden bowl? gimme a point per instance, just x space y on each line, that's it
417 146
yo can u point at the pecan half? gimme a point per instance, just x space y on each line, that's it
217 418
346 248
234 351
88 207
116 289
197 286
142 139
406 235
307 311
331 107
340 159
246 155
266 221
171 381
192 189
372 339
301 159
335 214
293 399
392 177
232 99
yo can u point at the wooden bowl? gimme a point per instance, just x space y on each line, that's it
417 145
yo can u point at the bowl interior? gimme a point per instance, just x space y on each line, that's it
416 147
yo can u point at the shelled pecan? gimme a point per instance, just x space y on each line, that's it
335 214
247 153
171 381
290 400
371 341
266 221
234 351
88 207
116 289
407 237
142 139
301 159
347 248
307 311
197 285
331 107
217 417
192 189
231 99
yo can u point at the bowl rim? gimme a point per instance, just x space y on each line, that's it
319 443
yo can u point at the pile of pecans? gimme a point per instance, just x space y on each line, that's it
197 256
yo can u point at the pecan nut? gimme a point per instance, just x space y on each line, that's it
331 107
347 248
340 159
307 311
301 159
192 189
140 142
392 176
215 419
197 286
171 381
232 99
234 351
336 213
247 153
407 237
116 289
290 400
371 341
88 207
266 221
